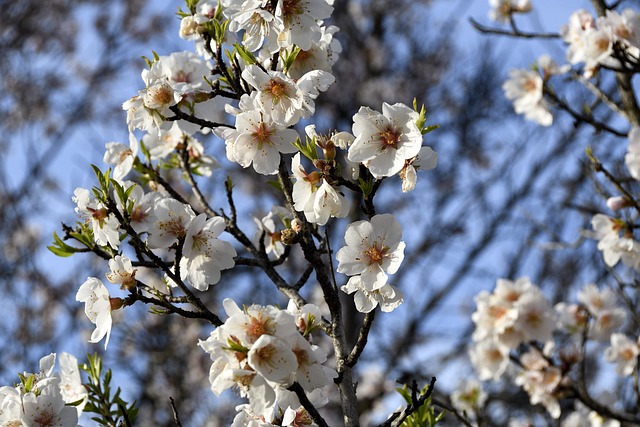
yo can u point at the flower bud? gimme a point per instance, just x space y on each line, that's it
289 237
329 150
617 203
116 303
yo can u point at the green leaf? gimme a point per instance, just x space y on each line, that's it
308 148
120 191
366 186
290 57
60 248
242 51
428 129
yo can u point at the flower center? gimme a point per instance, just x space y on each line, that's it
174 227
162 95
390 137
291 7
181 77
375 253
258 326
277 89
262 134
45 418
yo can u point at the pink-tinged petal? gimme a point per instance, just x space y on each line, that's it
392 261
349 262
385 228
373 277
357 235
364 304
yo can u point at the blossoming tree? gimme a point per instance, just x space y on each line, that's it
258 71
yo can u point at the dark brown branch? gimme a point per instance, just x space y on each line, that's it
174 411
513 32
598 126
362 339
307 405
181 115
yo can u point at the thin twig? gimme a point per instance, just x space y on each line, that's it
181 115
184 164
599 94
514 32
362 339
176 418
454 411
307 405
599 126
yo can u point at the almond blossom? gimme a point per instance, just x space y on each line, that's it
525 89
426 159
632 158
272 236
614 247
502 10
121 156
122 272
259 24
259 141
384 141
300 18
286 101
624 353
71 386
601 304
203 254
172 220
540 380
98 307
387 296
105 226
373 249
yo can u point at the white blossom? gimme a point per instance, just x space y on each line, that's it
71 386
525 89
632 158
121 272
259 141
121 156
105 226
204 255
469 396
387 296
540 380
172 220
502 10
373 250
624 353
97 308
385 141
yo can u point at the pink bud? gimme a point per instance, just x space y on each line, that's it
617 203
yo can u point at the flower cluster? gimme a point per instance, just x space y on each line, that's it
42 399
526 89
514 313
261 351
516 317
610 40
373 250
